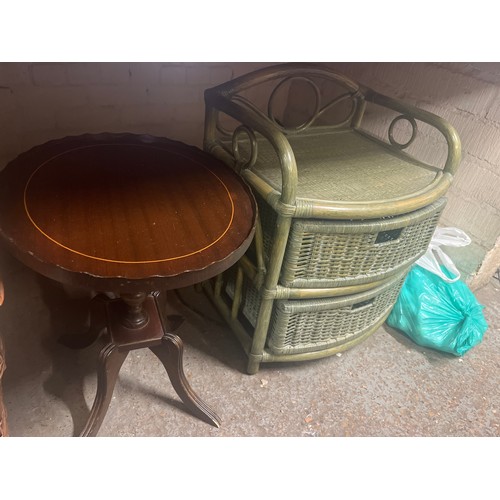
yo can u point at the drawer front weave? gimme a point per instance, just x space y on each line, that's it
324 253
312 325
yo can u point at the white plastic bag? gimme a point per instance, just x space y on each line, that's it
435 257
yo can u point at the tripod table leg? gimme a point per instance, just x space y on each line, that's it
170 352
110 361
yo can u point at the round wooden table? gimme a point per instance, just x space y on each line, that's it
133 215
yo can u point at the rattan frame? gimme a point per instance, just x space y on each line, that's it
265 267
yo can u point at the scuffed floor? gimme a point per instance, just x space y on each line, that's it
386 386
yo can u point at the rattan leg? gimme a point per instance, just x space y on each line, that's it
260 336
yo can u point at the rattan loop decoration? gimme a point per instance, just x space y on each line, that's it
242 164
337 100
317 104
413 124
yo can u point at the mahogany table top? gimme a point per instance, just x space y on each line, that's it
124 212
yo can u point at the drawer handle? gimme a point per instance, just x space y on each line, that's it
390 235
363 304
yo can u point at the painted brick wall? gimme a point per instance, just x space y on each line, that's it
42 101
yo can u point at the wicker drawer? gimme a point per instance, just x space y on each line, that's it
324 253
308 325
311 325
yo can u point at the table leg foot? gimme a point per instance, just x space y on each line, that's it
110 361
170 353
98 324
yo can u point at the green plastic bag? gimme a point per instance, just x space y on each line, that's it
445 316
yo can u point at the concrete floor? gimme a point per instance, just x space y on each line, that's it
386 386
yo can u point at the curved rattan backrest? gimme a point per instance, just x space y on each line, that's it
282 74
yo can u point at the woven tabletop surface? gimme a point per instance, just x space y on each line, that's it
345 166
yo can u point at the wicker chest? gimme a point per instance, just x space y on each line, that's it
343 213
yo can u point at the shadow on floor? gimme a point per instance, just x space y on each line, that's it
69 315
208 331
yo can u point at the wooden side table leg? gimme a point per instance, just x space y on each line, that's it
110 361
170 353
